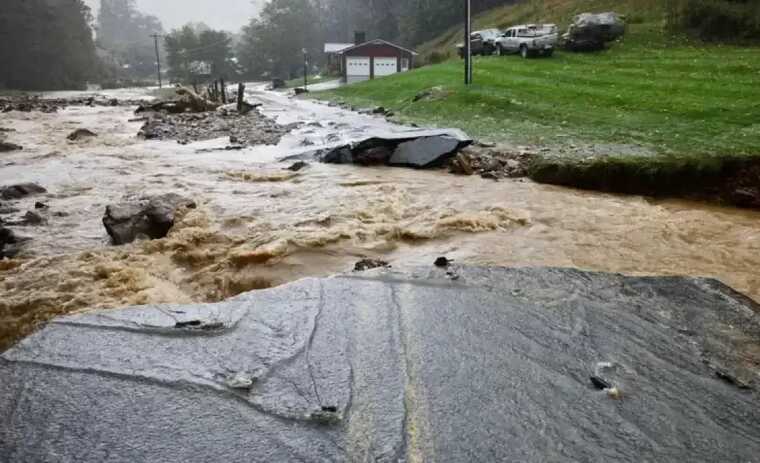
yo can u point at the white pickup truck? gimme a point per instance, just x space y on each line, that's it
528 40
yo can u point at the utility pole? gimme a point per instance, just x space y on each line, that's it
467 42
158 59
305 70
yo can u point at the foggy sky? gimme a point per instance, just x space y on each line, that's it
229 15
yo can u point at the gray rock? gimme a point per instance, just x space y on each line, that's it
297 166
33 218
8 241
151 218
80 134
21 190
398 366
6 147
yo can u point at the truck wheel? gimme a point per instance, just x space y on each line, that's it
499 50
524 51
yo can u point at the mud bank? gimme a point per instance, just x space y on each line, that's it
260 225
721 179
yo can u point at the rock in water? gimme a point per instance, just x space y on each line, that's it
22 190
80 134
152 217
424 152
6 147
369 264
493 366
297 166
7 239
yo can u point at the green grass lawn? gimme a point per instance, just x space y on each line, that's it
298 81
669 97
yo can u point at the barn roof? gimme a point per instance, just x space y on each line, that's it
377 42
337 47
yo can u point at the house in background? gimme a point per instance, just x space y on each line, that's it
334 60
376 58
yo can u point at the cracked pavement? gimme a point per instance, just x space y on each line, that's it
398 365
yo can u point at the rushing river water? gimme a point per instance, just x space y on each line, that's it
258 225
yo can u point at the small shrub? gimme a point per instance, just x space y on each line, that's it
436 57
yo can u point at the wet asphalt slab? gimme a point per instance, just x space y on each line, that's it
423 364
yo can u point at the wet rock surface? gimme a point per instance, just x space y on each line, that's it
392 366
81 134
8 242
246 130
150 217
6 147
21 190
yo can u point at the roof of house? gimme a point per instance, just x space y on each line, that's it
337 47
377 42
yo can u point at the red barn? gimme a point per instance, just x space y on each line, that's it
375 58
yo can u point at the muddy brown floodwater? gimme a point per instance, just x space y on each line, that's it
258 225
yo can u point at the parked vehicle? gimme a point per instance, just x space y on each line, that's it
481 42
528 40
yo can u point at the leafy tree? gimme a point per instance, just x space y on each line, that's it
126 34
196 51
273 44
46 45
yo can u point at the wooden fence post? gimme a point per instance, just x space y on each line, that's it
240 97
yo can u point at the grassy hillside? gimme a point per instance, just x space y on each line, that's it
658 112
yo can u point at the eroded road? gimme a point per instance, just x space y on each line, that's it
439 365
258 225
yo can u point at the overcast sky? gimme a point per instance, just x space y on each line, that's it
230 15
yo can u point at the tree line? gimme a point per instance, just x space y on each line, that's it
46 45
272 43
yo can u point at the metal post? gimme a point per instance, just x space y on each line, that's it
467 42
158 59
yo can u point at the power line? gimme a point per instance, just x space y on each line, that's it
211 45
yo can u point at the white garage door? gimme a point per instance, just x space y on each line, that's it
385 66
357 68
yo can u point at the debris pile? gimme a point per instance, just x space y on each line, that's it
589 32
27 103
191 118
491 162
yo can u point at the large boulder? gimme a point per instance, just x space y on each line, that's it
446 364
21 190
150 218
590 31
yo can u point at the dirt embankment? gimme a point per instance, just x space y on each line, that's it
724 180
